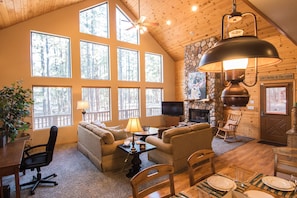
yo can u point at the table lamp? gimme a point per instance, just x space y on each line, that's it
83 105
132 127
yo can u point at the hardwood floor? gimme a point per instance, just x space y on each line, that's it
252 155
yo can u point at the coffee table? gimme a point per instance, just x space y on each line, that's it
144 134
141 147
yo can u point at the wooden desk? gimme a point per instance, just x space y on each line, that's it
10 160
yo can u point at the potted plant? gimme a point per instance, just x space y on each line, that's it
15 103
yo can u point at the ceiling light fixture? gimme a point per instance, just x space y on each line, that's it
141 24
194 8
231 56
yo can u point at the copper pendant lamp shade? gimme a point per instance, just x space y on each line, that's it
238 47
231 56
235 95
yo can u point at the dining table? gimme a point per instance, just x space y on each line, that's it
247 184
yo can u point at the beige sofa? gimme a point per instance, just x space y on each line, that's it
177 144
99 144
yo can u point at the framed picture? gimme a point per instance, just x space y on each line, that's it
196 85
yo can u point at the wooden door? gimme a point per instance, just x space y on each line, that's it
276 104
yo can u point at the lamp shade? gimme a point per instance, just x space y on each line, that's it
237 48
82 104
134 125
235 95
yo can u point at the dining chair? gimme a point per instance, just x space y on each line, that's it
227 128
153 179
285 160
200 165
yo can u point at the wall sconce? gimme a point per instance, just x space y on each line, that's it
133 126
83 105
231 56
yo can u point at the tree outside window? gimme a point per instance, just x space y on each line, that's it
124 31
128 103
153 67
94 61
99 103
128 65
95 21
52 106
50 56
154 97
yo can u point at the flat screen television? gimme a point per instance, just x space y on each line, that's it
172 108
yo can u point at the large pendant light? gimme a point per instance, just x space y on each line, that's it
232 55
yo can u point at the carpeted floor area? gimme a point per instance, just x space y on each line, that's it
77 177
220 147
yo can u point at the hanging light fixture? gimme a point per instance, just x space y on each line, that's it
232 55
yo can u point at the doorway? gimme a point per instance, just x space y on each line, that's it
275 109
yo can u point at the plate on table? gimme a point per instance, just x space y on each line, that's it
257 194
278 183
221 183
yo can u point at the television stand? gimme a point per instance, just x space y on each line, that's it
171 120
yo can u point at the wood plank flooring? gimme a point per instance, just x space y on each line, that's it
252 156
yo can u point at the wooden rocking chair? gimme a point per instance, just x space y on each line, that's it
227 129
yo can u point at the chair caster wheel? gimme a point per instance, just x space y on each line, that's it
32 192
54 175
55 184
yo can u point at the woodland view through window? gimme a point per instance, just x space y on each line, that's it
51 57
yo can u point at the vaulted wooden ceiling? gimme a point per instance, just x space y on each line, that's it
187 26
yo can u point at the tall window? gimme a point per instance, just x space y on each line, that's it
128 65
153 101
153 67
125 30
99 103
128 101
94 61
94 20
52 106
50 55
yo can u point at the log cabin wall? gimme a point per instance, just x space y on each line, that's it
250 122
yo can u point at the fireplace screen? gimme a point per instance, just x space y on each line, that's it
198 115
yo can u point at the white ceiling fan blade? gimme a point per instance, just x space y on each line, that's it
131 27
142 19
151 24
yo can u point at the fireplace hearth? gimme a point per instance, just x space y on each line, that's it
198 115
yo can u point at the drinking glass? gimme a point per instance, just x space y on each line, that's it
240 176
294 180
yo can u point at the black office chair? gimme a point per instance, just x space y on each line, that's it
40 159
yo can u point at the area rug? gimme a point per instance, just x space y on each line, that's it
220 146
77 177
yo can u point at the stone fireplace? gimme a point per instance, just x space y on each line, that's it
211 104
198 115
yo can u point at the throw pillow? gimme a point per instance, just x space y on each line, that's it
115 127
98 123
119 134
83 123
106 136
230 124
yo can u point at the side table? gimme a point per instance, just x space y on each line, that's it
136 161
161 130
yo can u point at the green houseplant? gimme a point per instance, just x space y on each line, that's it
15 103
